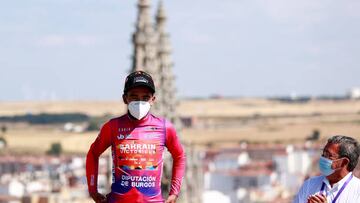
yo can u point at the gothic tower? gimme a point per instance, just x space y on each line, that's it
152 53
145 49
167 79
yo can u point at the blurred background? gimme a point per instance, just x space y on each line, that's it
254 88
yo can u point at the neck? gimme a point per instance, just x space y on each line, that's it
337 176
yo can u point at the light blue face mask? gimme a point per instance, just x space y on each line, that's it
325 166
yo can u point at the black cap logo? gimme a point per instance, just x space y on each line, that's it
140 79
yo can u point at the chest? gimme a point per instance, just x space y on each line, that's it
140 147
140 135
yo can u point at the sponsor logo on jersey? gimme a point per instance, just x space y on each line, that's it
152 128
151 136
123 137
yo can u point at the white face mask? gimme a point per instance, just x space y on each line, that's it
139 109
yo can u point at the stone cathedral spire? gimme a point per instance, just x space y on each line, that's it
165 63
144 40
145 56
152 53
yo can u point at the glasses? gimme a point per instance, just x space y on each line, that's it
328 155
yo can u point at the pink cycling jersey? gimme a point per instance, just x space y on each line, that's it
137 152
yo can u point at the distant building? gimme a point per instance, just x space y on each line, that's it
33 179
215 197
354 93
257 172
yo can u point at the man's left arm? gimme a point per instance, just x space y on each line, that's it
178 169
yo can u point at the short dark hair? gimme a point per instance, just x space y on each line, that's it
348 147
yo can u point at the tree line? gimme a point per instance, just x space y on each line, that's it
47 118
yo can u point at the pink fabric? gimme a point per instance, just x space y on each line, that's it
137 151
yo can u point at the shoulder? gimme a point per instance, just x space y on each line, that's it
117 119
155 118
356 180
356 177
355 187
112 122
122 117
169 125
313 182
162 120
315 179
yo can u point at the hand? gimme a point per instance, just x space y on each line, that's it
171 199
98 198
318 198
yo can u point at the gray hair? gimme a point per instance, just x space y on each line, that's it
348 147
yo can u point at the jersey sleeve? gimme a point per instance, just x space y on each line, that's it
177 152
102 142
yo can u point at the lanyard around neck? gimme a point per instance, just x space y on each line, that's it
341 189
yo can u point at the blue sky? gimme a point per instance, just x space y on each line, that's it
80 49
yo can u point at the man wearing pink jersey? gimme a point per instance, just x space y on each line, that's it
137 140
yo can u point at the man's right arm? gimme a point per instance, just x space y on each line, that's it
102 142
